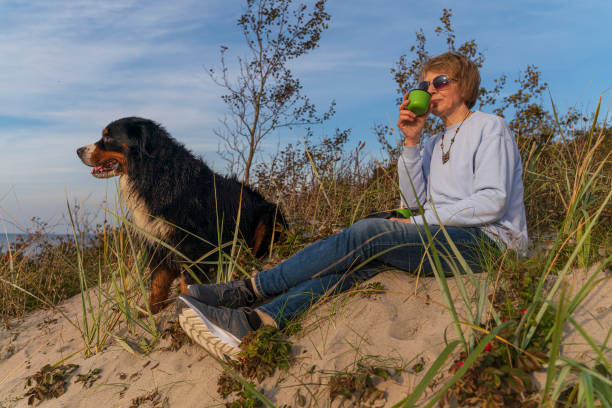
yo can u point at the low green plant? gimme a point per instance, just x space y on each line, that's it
493 382
263 352
435 367
371 289
153 398
89 378
244 397
418 366
360 384
50 382
175 335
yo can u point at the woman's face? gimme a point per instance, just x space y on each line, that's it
444 101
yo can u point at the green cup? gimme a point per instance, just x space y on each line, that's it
419 101
405 212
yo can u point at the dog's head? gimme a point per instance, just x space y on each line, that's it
123 142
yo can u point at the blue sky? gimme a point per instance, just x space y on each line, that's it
67 68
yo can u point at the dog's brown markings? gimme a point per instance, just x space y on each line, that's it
105 132
259 236
99 156
160 287
184 284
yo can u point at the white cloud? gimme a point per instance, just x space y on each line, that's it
68 67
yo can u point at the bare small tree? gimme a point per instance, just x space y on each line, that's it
264 95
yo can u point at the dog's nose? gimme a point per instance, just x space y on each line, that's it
80 151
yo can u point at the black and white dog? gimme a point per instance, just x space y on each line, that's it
172 194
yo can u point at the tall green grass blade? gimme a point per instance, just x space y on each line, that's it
556 115
316 172
434 259
557 330
92 316
589 285
586 391
124 344
134 250
585 290
582 368
594 125
362 197
479 287
559 383
607 338
425 382
124 220
594 346
603 391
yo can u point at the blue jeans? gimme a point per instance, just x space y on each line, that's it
336 263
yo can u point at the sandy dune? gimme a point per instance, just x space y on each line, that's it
401 327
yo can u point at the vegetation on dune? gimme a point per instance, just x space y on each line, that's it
49 382
516 311
39 268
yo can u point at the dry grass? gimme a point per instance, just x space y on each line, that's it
45 267
322 189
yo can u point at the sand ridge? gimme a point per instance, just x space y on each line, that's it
404 326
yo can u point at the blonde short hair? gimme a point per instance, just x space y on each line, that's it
458 67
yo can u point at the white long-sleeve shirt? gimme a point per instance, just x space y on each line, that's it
480 185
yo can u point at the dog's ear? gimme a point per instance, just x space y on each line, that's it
143 143
139 134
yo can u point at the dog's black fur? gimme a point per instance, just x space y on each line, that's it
172 194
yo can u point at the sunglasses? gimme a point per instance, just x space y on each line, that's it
439 82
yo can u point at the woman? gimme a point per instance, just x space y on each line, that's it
469 179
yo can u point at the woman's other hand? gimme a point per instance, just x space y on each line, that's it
410 124
404 220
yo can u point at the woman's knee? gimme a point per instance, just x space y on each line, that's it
366 227
373 231
375 223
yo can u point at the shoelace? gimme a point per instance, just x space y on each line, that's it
241 294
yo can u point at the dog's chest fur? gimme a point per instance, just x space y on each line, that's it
141 217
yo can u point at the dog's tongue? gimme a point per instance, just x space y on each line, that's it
96 169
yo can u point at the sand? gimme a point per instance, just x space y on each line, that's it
404 326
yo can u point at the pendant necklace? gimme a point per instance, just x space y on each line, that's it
446 156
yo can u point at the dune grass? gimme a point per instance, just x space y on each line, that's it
568 185
516 311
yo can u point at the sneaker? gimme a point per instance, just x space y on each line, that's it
232 294
218 330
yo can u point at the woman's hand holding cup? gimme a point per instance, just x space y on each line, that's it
410 124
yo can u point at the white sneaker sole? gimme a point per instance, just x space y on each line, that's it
217 341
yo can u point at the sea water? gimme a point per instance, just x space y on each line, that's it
9 240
